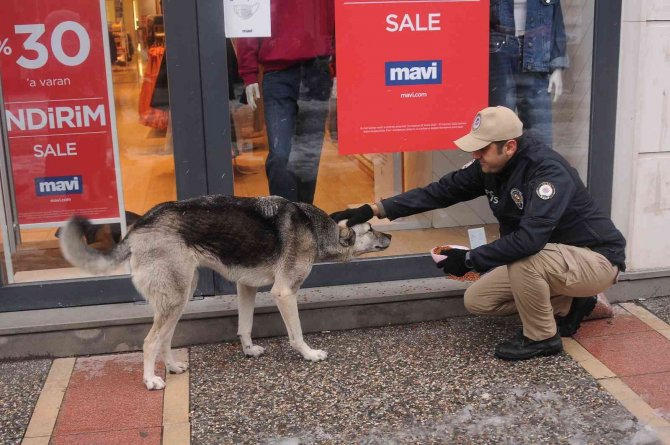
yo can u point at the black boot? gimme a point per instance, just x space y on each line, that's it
579 308
521 347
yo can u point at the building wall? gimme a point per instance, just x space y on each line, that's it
641 189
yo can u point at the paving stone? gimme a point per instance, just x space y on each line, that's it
139 436
631 354
20 386
623 324
424 383
106 393
654 389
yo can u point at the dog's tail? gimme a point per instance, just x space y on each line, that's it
79 254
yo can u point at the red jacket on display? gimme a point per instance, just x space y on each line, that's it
301 30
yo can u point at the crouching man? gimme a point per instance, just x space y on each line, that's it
556 250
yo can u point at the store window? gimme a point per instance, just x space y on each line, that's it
286 141
86 125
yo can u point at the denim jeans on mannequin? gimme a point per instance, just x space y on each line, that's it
296 108
522 91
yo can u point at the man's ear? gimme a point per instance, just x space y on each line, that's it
511 147
347 236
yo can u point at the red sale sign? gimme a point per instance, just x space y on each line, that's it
59 115
411 74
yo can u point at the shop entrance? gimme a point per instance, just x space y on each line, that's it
182 130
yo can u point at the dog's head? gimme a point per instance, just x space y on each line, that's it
362 238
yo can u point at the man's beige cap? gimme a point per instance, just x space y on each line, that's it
490 125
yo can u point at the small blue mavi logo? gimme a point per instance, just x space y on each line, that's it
59 185
413 72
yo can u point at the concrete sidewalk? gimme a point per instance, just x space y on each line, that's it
433 382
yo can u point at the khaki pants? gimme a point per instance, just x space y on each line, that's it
541 285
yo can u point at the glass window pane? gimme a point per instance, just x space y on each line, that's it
287 143
91 49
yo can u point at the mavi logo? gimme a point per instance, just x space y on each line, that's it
59 185
413 72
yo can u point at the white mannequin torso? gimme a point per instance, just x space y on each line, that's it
520 9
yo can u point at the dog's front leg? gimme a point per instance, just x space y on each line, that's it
288 307
246 297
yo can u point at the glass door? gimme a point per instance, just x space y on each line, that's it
87 129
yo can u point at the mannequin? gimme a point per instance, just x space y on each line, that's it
527 56
296 86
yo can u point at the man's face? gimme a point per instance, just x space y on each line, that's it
493 160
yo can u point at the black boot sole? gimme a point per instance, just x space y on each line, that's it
571 322
540 353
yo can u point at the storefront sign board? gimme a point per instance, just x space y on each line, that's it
411 75
59 110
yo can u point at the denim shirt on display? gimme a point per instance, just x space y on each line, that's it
544 38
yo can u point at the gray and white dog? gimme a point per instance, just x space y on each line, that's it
251 241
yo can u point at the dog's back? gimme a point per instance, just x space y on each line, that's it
227 234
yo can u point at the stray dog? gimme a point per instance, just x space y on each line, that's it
251 241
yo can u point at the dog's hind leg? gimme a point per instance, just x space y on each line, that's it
246 298
152 344
166 288
288 307
171 364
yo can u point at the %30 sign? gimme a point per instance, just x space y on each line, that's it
38 53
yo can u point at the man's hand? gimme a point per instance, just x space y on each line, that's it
454 263
253 93
355 216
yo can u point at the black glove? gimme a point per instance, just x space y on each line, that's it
454 263
354 216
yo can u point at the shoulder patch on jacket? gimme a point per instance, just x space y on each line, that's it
546 190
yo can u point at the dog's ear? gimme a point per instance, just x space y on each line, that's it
347 236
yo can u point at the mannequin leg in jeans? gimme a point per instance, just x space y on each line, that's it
315 87
534 105
503 65
514 88
280 99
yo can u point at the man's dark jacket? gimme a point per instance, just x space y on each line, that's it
538 198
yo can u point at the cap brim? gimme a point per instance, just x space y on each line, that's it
469 143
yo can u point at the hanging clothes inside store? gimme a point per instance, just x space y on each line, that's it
160 98
153 103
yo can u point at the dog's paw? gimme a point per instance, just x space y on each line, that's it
253 351
154 382
315 355
176 367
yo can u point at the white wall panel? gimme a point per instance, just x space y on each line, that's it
651 214
641 191
658 9
654 100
